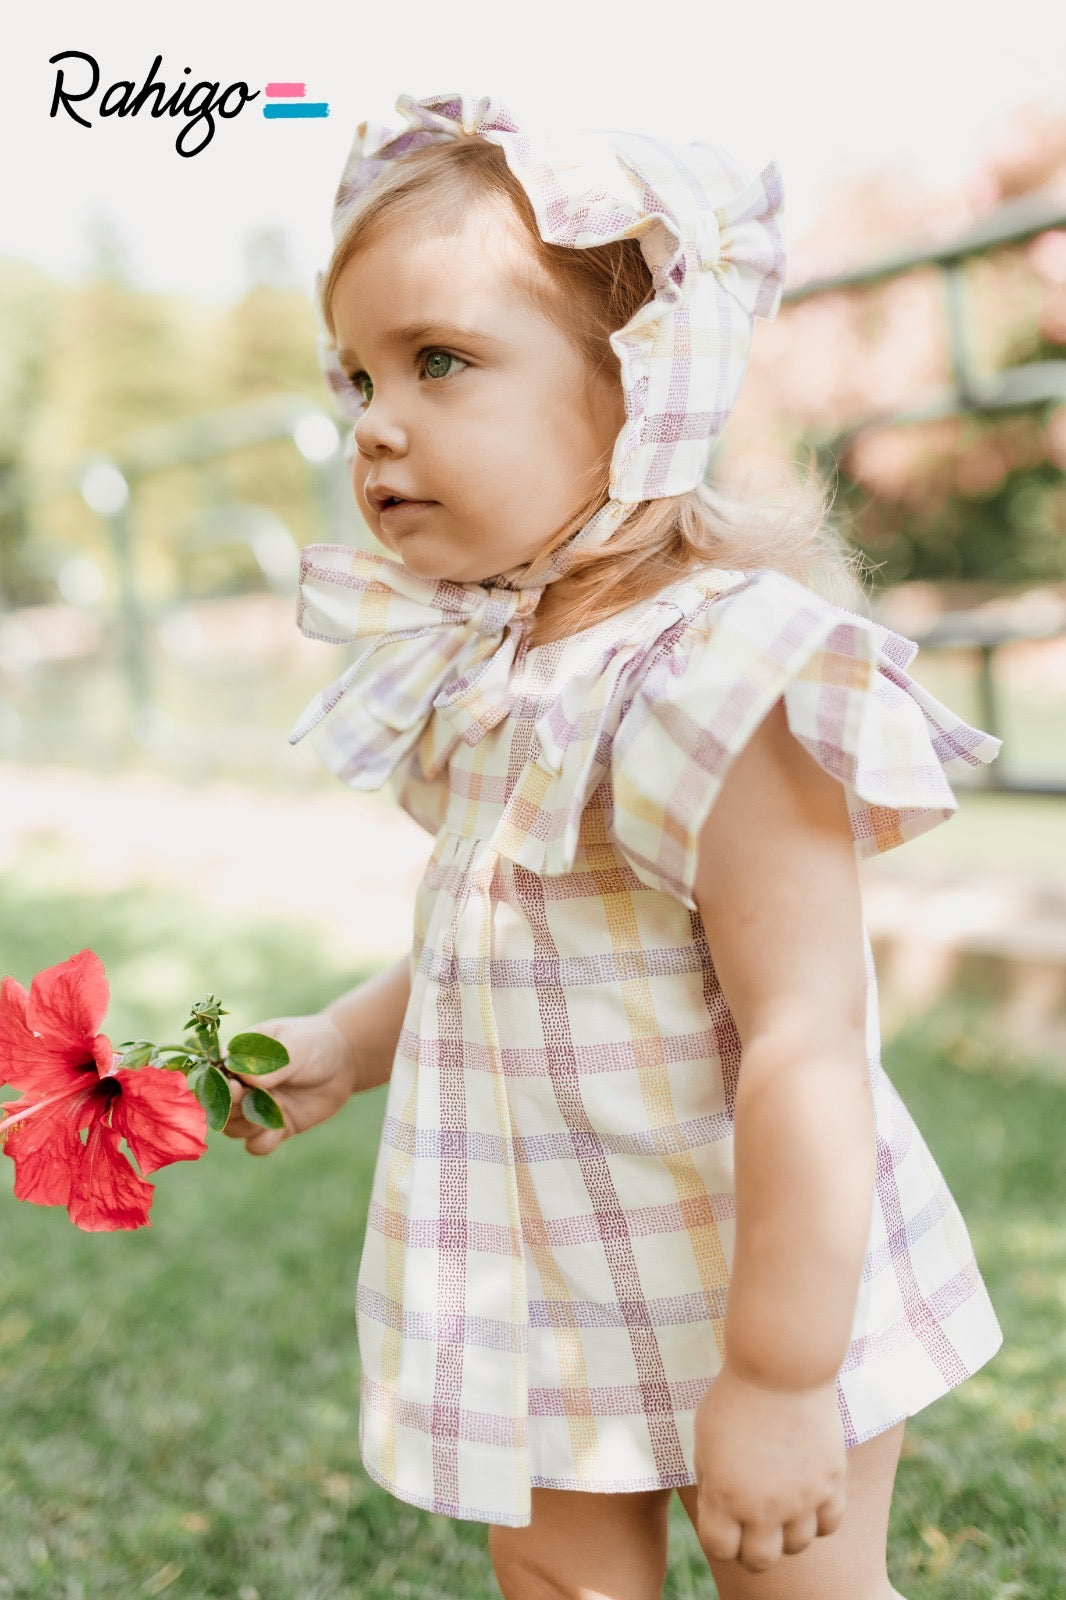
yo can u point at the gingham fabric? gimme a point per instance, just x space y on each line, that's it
712 242
435 646
543 1284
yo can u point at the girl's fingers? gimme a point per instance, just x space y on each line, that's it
719 1535
239 1127
830 1515
757 1547
257 1139
760 1547
236 1126
263 1141
797 1535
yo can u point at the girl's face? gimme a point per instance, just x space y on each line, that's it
481 418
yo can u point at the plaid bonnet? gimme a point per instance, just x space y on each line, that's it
712 243
713 246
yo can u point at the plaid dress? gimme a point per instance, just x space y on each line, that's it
543 1285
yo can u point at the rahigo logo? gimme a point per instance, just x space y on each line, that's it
198 103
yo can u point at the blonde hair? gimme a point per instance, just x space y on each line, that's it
591 293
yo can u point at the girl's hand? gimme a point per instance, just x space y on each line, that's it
317 1080
770 1469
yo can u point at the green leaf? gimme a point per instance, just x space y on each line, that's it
213 1092
135 1053
262 1109
177 1063
254 1053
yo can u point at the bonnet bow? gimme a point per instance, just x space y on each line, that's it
713 246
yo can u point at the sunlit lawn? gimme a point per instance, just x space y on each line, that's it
180 1403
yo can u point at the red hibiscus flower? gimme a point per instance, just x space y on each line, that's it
50 1049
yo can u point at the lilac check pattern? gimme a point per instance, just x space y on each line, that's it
548 1250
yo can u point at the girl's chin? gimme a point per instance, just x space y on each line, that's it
428 559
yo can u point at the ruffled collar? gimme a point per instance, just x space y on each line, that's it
432 647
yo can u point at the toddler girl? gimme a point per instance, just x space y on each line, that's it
647 1214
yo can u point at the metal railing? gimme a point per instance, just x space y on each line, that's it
1032 386
108 485
1013 388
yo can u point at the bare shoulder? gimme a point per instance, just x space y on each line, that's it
777 886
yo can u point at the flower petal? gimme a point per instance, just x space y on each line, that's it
46 1149
106 1192
67 1004
35 1064
158 1116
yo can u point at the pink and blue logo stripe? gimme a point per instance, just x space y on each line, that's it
286 100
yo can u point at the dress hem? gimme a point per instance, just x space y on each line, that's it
648 1484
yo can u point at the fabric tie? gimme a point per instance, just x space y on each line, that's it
433 646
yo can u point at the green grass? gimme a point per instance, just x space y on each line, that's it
181 1401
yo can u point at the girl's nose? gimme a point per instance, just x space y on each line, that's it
376 433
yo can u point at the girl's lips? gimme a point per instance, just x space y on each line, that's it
401 512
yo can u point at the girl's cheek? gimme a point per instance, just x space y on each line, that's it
358 478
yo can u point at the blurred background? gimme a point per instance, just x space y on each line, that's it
166 447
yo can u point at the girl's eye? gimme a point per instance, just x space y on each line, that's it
438 363
363 386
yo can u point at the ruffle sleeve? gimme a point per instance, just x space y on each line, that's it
849 701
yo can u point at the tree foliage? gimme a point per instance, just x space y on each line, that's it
967 497
86 367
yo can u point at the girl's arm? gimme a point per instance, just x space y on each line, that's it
370 1018
777 887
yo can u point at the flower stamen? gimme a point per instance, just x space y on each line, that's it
7 1122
